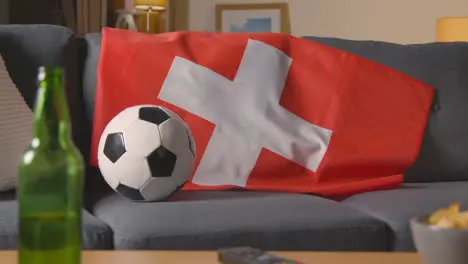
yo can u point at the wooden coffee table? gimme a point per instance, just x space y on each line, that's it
210 257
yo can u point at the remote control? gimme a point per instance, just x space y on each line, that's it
248 255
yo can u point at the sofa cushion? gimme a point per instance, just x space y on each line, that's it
396 207
15 129
444 66
96 235
90 50
206 220
26 48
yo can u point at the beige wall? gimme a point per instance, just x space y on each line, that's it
399 21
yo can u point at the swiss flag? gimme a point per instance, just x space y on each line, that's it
269 111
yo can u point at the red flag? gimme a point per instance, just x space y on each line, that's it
269 111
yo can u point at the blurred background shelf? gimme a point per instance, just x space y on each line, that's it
31 12
84 16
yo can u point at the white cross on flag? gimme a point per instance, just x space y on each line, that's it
269 111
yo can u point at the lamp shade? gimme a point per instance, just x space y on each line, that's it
150 3
452 29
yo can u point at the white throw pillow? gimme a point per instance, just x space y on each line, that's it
15 129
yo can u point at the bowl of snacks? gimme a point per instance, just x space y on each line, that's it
442 237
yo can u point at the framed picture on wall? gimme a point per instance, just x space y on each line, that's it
264 17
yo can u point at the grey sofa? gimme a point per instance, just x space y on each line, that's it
374 221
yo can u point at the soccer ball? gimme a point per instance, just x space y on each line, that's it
146 153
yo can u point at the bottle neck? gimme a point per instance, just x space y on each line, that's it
51 119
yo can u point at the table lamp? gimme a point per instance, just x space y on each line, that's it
148 16
452 29
154 5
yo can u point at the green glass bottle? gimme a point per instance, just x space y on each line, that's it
51 175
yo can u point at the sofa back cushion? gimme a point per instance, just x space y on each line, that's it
90 50
25 48
15 129
444 66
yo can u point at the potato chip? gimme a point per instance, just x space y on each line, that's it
445 222
462 220
437 216
449 217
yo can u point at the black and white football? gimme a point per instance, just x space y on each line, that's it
146 153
